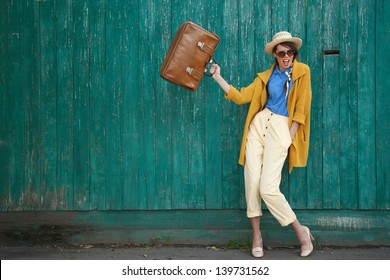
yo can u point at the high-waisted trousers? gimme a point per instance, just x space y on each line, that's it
266 151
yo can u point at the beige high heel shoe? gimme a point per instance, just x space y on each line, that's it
257 252
308 248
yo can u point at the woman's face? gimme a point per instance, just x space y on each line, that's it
284 61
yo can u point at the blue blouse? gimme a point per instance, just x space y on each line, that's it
276 88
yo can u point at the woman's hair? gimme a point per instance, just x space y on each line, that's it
290 45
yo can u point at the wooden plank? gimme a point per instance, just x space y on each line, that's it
382 86
133 195
196 128
180 123
366 106
48 106
147 102
331 106
114 86
298 187
162 192
98 101
4 113
81 105
213 117
31 77
64 11
348 106
331 16
314 45
331 152
16 100
231 136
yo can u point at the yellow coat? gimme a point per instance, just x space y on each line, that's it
298 107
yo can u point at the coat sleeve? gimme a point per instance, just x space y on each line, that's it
303 103
243 95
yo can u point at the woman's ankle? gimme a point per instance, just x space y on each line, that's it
257 241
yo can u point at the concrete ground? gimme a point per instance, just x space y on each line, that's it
115 252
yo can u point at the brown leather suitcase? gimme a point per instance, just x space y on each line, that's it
190 53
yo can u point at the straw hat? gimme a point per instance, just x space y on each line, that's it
282 37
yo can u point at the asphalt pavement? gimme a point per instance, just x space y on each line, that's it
121 252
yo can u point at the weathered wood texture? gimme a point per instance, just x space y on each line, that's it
86 123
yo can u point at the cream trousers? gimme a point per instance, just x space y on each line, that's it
266 150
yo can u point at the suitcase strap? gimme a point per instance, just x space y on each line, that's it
205 48
194 73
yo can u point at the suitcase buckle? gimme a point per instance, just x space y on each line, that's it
189 70
200 45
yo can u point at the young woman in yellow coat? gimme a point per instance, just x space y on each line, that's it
277 126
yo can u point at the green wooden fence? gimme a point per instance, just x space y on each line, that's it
86 123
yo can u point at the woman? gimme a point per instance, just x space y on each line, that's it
277 124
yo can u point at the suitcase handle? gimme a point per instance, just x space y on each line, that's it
212 59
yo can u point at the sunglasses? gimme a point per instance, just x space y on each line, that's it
282 54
